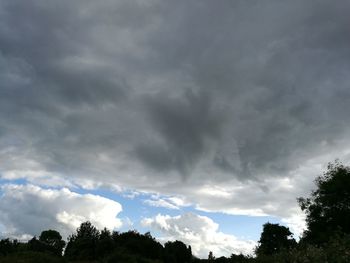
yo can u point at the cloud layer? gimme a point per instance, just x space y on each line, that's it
233 106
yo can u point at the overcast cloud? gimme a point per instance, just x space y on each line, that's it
233 106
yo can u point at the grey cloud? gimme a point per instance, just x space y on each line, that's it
184 124
130 93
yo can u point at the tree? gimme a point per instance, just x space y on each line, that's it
176 252
239 258
105 243
328 207
142 245
7 246
83 244
87 230
53 240
211 257
274 238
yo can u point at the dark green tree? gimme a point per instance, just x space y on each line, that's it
328 207
105 243
239 258
7 246
176 252
274 238
53 240
83 244
143 245
211 257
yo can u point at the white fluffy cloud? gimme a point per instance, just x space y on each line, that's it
29 209
201 232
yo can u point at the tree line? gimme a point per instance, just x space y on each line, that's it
326 239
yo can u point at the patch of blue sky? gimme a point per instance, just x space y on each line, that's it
21 181
241 226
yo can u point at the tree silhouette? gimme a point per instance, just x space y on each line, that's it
176 252
273 238
7 246
105 243
143 245
328 207
53 240
83 244
211 257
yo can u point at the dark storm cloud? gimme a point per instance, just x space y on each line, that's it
115 91
184 124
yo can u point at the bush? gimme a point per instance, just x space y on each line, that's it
31 257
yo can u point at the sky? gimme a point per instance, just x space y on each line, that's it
195 120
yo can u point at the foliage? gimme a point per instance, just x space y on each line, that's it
83 244
53 240
124 256
239 258
274 238
211 257
7 246
105 243
328 207
136 243
334 251
31 257
176 252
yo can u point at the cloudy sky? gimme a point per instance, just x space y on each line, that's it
196 120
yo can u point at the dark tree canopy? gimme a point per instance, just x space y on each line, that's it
274 238
176 252
7 246
83 244
50 241
136 243
105 242
328 207
87 230
211 257
53 239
